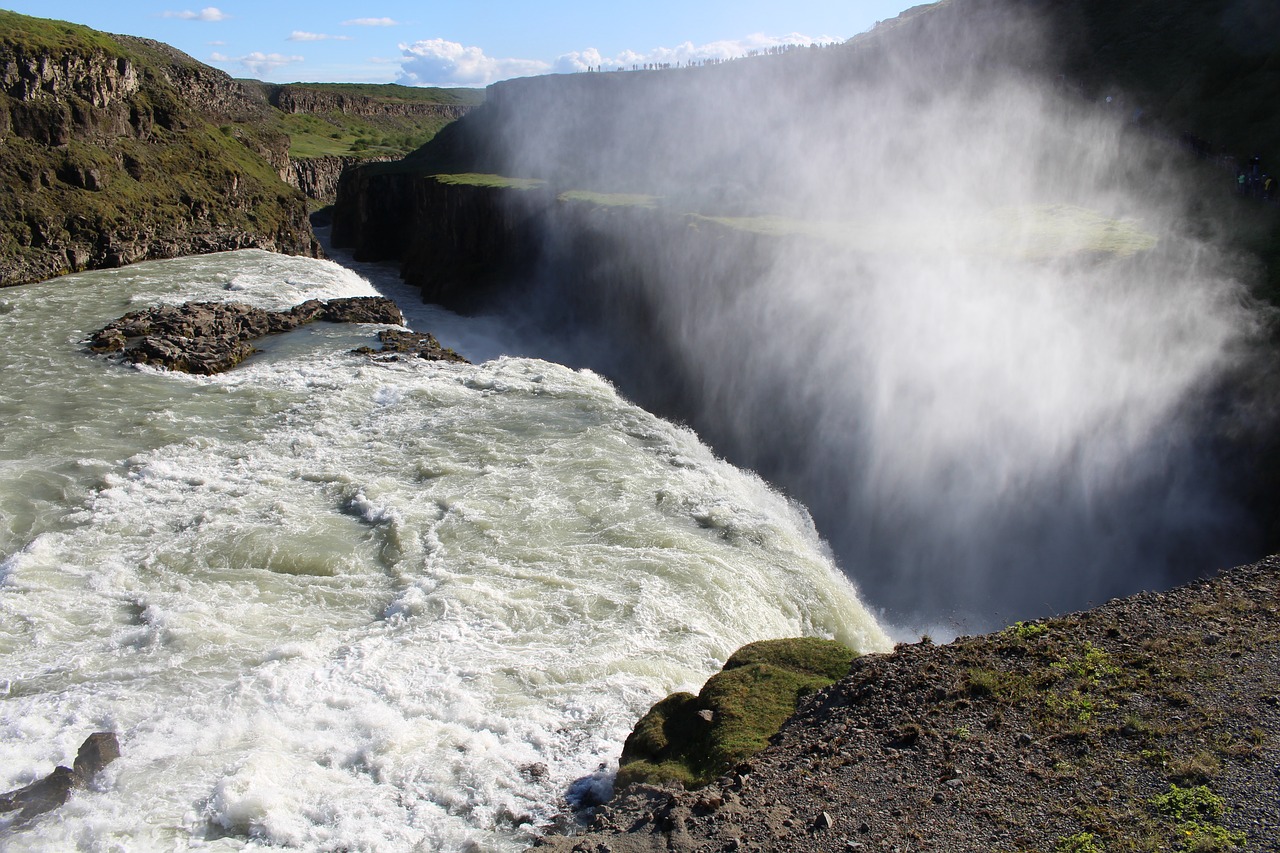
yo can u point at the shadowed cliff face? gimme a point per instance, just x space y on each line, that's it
962 313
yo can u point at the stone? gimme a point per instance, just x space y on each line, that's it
824 822
98 750
47 794
212 337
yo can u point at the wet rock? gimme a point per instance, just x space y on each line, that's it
419 344
98 750
211 337
47 794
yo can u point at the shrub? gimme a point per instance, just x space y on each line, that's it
1081 842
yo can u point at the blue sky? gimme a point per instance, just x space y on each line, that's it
463 43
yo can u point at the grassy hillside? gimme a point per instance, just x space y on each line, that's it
338 135
391 120
1147 724
120 149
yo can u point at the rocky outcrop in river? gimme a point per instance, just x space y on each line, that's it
52 791
212 337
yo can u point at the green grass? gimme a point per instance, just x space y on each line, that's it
610 199
50 36
338 134
184 176
747 702
1031 232
474 179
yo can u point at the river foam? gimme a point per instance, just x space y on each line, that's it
333 603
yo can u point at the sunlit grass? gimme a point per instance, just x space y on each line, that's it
611 199
476 179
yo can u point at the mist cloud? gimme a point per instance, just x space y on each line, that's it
439 62
984 355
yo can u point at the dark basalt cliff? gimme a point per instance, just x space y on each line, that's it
451 238
119 149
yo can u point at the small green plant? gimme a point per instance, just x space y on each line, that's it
1157 758
1187 805
1091 665
1075 706
1210 838
1197 812
1081 842
1027 631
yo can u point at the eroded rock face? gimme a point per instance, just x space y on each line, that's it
317 177
211 337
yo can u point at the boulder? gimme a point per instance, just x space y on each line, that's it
44 795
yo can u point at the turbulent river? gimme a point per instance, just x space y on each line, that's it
332 603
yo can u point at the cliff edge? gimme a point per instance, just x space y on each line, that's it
1149 723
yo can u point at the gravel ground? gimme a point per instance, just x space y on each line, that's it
1057 736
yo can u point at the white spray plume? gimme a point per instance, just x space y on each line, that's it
936 295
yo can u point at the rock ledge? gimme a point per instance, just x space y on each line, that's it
212 337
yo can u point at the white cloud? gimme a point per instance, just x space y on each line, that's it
300 35
371 22
682 54
209 13
258 63
436 62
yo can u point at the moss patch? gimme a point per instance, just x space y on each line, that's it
694 739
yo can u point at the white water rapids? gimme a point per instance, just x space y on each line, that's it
330 603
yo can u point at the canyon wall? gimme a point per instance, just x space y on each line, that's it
119 149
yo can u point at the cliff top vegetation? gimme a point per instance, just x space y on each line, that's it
38 35
395 93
